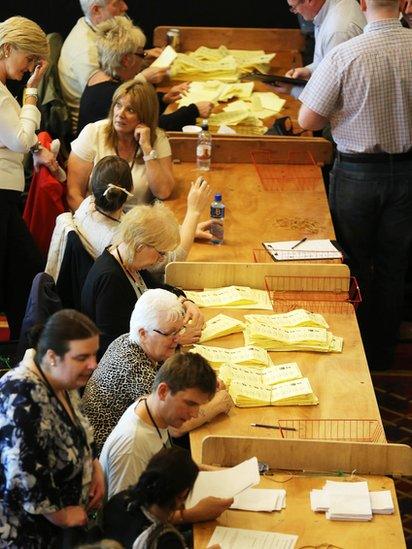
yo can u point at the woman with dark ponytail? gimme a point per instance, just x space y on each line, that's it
138 517
49 479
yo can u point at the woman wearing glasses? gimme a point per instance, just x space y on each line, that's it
119 276
121 57
129 366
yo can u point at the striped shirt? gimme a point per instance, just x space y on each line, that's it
364 87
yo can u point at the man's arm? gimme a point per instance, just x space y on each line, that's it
311 120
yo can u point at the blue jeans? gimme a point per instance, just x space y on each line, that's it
371 206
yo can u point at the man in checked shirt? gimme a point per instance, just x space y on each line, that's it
363 88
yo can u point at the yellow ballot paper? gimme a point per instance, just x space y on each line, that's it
259 376
297 392
241 297
297 317
219 326
292 339
166 58
239 355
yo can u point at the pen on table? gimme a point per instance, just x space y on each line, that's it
298 243
272 427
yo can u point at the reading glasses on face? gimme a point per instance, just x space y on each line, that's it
170 334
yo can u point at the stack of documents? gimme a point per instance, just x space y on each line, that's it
225 483
215 91
239 297
250 355
290 393
349 501
219 64
229 538
292 339
307 249
219 326
297 317
259 376
260 499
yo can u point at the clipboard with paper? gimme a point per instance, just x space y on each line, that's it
293 250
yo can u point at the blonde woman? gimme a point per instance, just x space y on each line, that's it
119 276
130 132
122 57
23 48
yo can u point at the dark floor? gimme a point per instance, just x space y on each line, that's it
394 394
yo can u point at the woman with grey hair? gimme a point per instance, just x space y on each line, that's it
129 366
121 53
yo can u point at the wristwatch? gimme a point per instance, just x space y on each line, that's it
151 156
36 147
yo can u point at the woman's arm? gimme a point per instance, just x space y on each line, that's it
159 171
78 173
74 515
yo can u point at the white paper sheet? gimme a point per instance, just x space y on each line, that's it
230 538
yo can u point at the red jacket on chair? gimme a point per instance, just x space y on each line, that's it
44 202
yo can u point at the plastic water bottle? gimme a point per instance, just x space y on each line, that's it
204 148
217 216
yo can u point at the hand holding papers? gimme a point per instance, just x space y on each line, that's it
297 250
225 483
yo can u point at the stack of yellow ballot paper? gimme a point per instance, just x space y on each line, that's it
215 91
240 297
259 376
219 63
297 392
298 338
240 355
297 317
219 326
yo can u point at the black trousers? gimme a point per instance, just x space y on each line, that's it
20 261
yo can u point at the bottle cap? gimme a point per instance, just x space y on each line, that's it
205 125
218 197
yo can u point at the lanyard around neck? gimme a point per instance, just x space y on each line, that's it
155 425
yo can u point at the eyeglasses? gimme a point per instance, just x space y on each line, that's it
293 9
140 54
171 334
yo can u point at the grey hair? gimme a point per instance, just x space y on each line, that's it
117 37
86 5
155 307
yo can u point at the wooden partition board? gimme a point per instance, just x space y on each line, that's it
199 275
270 40
313 529
240 149
309 455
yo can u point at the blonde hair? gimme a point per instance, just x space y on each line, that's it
144 100
154 226
23 34
116 38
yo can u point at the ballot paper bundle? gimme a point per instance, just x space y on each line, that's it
290 393
259 376
260 499
250 355
219 326
350 501
297 317
240 297
215 91
292 339
219 64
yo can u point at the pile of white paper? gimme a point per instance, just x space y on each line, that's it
260 499
230 538
350 501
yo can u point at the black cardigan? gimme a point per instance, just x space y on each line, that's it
96 100
108 297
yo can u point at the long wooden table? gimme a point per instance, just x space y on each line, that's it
344 387
253 214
